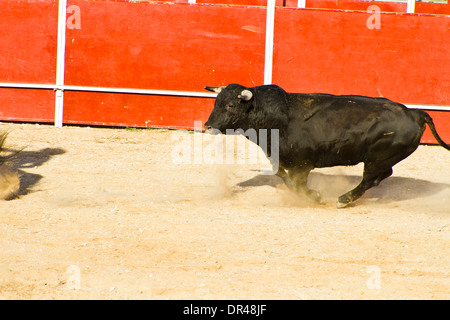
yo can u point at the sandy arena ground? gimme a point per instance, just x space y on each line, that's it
107 214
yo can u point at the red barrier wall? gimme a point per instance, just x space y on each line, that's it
160 45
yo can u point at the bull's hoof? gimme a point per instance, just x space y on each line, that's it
316 197
320 201
343 202
341 205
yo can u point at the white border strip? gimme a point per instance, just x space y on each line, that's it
108 90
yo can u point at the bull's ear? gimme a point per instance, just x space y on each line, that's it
214 89
245 95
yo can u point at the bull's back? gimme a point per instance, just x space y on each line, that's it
342 130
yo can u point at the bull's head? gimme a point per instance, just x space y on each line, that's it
233 103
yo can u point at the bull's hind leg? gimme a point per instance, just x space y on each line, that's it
382 176
378 166
371 178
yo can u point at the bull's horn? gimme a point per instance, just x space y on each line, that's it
214 89
245 95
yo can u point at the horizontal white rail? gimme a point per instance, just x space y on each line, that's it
27 85
164 93
108 90
431 107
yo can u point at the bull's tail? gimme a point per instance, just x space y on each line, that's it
430 123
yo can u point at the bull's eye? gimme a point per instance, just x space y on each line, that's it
229 106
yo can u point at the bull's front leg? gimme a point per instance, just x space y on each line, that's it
280 171
284 176
299 178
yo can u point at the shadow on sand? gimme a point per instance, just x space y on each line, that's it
390 190
30 159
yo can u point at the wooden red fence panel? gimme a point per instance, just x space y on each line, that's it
27 105
28 32
159 46
165 46
133 110
335 52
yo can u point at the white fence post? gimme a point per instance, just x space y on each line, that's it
301 4
60 62
411 6
270 22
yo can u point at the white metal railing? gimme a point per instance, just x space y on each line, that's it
161 92
107 89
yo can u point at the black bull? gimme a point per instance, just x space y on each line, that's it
322 130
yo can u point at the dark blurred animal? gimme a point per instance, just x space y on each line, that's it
9 179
